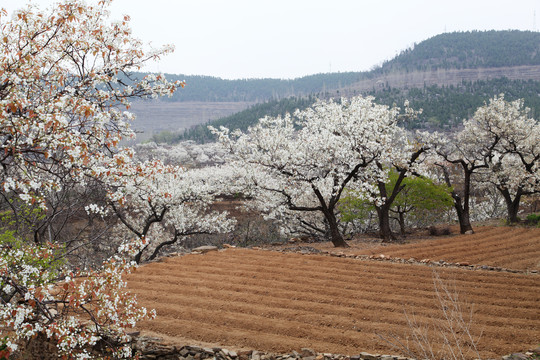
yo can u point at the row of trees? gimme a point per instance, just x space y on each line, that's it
353 146
244 119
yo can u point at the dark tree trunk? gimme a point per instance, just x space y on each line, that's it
462 205
462 212
138 257
463 218
402 222
512 206
335 235
383 211
385 232
163 244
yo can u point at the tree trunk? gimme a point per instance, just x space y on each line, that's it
462 214
465 222
335 235
402 222
138 256
385 232
161 245
462 205
512 206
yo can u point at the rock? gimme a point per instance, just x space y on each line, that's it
307 352
205 249
469 232
516 356
228 246
368 356
232 354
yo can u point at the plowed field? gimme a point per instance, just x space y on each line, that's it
279 302
513 248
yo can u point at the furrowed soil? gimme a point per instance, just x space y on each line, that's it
279 302
516 248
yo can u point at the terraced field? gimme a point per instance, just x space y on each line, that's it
509 247
272 301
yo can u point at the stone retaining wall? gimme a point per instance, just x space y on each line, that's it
152 349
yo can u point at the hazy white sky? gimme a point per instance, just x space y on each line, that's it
292 38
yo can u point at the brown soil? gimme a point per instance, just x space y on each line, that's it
515 248
278 302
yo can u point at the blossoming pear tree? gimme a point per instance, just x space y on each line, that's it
65 87
64 90
405 159
513 138
500 145
161 204
458 158
304 164
85 312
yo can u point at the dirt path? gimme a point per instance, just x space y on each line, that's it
278 302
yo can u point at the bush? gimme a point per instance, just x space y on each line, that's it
533 219
439 231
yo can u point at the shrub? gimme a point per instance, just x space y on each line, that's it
533 219
438 230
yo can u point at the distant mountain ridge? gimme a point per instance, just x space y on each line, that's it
444 59
444 68
469 50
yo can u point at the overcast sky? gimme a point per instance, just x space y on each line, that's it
291 38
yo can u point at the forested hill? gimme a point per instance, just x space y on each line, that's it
458 50
448 75
469 50
443 107
212 89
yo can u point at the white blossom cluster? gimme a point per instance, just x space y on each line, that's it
57 309
65 93
59 107
187 153
159 202
299 166
499 146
